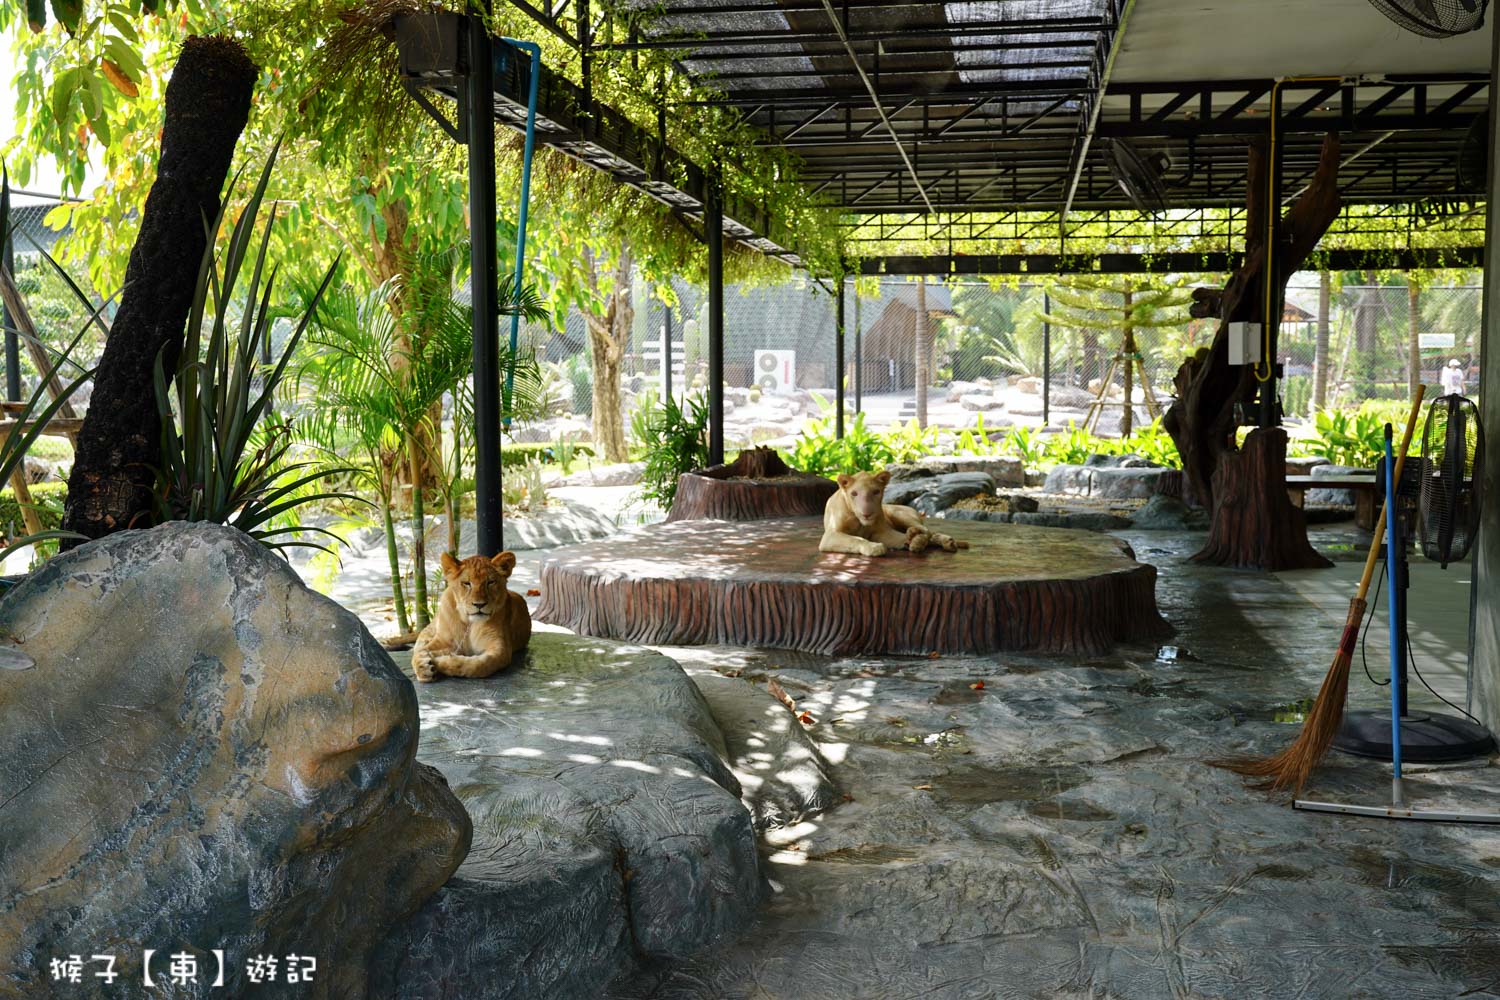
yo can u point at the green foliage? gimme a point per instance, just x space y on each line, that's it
47 499
557 452
1355 438
816 450
678 443
521 490
224 455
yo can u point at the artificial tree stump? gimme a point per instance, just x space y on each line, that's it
1255 525
755 486
1017 588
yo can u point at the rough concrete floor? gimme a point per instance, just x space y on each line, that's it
1057 834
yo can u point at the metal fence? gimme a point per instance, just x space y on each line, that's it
1049 352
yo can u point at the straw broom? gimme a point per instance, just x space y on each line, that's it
1292 766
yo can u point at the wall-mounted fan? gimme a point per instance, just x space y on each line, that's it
1140 175
1452 456
1474 156
1435 18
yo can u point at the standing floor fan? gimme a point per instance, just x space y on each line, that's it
1444 488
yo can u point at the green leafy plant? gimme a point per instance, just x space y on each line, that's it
818 451
1027 444
522 489
224 454
678 437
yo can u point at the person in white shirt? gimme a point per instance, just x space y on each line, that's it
1453 379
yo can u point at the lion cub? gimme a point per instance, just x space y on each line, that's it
480 625
858 521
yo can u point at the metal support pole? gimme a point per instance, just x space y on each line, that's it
713 231
484 288
859 360
1268 414
666 355
12 342
1046 360
838 363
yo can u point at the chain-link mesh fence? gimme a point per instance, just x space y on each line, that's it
1049 352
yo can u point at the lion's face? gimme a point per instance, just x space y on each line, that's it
865 492
478 584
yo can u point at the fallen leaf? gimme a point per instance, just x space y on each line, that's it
807 720
734 672
933 656
848 797
533 592
774 688
977 686
922 788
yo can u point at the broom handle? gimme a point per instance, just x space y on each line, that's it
1379 539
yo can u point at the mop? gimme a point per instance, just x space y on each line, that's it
1292 766
1398 809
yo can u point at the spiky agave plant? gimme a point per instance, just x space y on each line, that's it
224 454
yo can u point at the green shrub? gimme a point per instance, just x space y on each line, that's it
47 498
816 450
678 443
544 452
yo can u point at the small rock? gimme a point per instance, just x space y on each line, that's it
1164 513
976 402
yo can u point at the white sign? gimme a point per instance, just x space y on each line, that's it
1435 340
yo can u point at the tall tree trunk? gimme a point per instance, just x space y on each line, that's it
1413 337
1253 522
608 336
923 349
119 446
1320 348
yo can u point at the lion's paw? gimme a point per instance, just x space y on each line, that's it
917 540
946 542
422 667
873 549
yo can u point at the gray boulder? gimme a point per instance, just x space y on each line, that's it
1006 470
203 753
1332 498
1166 513
783 777
1120 462
1105 482
934 493
979 402
608 828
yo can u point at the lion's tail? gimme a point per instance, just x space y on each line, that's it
960 543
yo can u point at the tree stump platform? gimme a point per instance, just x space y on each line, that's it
1018 588
754 486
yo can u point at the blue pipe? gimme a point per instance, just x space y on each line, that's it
535 51
1392 564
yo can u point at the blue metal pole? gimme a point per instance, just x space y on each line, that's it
535 52
1393 613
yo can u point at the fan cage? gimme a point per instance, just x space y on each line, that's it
1449 499
1435 18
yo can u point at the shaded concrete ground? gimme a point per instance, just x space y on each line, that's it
1056 833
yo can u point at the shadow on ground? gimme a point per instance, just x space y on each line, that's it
1054 833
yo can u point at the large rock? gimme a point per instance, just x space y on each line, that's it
608 828
1332 498
204 754
979 402
616 474
783 777
932 494
1103 482
1168 513
1006 470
